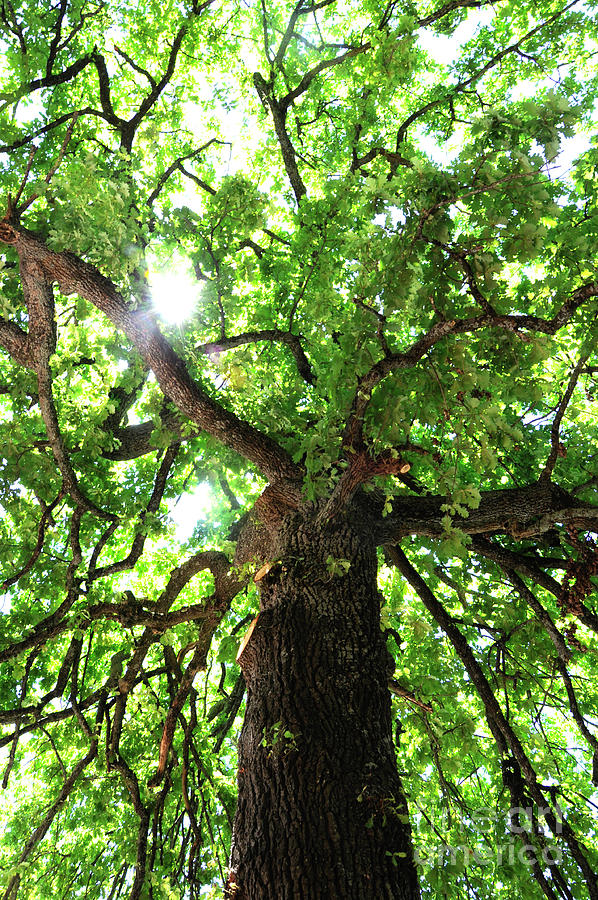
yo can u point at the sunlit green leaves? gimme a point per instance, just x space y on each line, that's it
435 191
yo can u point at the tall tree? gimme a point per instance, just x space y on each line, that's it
385 218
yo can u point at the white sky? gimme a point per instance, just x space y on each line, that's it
190 509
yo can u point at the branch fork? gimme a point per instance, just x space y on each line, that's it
362 467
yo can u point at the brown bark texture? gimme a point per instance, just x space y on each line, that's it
321 812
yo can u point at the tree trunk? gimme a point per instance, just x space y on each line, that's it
321 812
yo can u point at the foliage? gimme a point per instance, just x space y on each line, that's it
388 219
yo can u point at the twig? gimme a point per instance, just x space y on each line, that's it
555 446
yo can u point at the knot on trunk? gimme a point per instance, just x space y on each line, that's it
8 235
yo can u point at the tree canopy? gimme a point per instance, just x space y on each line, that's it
384 218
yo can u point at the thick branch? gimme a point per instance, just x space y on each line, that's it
14 340
395 159
279 115
361 468
520 512
518 562
135 440
128 128
75 276
105 98
42 342
49 80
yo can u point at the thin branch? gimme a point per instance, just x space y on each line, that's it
198 181
506 738
178 165
514 323
228 493
574 707
542 614
55 42
42 342
19 209
396 688
555 445
12 204
451 6
131 783
322 66
45 129
140 538
136 68
42 829
492 62
198 662
292 341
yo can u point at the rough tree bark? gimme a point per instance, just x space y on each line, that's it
321 812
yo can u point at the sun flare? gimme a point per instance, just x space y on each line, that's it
174 294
